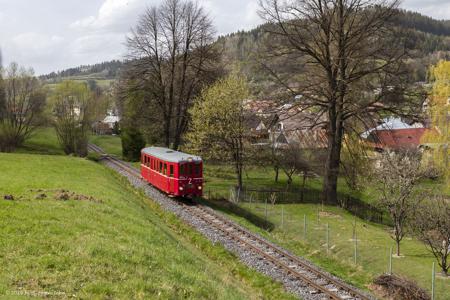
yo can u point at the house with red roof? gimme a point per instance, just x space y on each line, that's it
396 139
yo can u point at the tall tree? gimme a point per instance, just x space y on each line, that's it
218 123
72 107
431 223
439 113
348 60
22 101
396 180
172 58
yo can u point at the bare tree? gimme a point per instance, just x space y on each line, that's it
22 104
432 225
396 180
72 107
344 59
291 159
172 58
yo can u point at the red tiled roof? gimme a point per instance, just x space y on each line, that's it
397 138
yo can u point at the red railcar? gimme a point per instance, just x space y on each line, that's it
173 172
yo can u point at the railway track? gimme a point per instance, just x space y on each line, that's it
319 284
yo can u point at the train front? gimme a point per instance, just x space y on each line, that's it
190 181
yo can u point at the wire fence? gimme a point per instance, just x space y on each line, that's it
354 205
325 231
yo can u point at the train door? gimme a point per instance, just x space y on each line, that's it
171 179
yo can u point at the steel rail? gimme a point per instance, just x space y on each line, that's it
274 260
290 257
209 217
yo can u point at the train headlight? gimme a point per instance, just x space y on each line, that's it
181 188
199 187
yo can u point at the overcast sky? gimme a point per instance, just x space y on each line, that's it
51 35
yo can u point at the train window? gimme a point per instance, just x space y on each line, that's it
171 171
165 169
197 169
160 167
189 170
181 169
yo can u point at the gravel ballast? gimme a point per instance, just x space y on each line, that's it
248 257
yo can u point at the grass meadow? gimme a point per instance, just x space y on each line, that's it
77 229
373 241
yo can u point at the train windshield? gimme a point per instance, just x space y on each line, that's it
190 169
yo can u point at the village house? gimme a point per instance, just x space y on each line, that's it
395 134
282 125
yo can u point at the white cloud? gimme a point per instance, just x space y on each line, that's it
113 15
74 32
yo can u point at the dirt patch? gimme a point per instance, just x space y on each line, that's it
8 197
40 196
395 287
62 195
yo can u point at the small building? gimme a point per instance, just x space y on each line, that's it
396 139
395 134
106 126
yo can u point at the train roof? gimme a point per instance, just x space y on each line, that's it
170 155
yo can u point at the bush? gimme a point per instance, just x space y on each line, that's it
8 137
396 287
132 143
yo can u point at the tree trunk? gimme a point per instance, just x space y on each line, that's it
398 247
239 174
332 162
167 132
277 170
303 185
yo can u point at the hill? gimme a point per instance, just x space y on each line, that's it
75 228
429 40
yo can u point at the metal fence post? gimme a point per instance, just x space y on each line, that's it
318 216
390 260
355 259
265 209
304 226
433 274
328 238
282 217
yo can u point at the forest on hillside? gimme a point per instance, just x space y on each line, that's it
428 42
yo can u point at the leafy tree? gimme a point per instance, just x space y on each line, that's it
338 52
132 143
396 180
22 102
431 223
116 128
439 138
217 129
72 104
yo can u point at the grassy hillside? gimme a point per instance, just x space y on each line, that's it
374 240
100 239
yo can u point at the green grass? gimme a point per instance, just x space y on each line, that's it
372 248
42 141
119 246
110 144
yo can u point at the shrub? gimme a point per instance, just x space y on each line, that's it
396 287
132 143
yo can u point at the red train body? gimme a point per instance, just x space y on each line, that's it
173 172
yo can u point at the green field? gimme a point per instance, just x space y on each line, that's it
104 239
373 239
